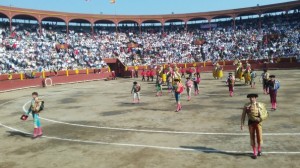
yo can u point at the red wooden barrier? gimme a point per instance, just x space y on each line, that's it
60 77
16 83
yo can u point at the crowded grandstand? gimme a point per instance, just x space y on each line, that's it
28 46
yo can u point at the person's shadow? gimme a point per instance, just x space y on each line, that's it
212 150
16 133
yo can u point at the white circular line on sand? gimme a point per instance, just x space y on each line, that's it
164 132
136 145
146 146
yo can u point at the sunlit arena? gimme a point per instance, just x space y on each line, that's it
149 88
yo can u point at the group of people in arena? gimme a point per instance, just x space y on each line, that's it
255 111
27 48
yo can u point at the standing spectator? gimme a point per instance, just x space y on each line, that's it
136 88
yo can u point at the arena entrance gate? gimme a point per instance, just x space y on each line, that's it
115 65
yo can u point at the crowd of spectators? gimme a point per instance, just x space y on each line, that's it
26 48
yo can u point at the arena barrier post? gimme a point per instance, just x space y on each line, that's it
67 73
204 64
43 74
87 71
278 60
9 76
291 59
21 76
224 63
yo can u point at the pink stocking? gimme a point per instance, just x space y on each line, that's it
254 150
35 132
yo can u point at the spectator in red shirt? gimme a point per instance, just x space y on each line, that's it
148 75
113 74
182 72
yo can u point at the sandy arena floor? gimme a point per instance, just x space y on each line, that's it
95 125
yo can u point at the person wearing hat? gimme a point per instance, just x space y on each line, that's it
253 76
190 72
189 85
247 75
178 89
230 82
252 110
169 83
151 75
148 75
143 73
136 72
248 66
182 72
265 76
196 80
239 69
272 87
218 71
136 88
35 108
159 83
198 72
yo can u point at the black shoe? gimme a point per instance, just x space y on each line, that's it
34 137
259 153
254 157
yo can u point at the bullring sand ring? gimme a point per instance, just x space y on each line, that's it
95 125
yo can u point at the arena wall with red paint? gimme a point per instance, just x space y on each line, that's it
73 76
61 77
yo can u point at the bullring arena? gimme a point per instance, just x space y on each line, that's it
89 119
97 124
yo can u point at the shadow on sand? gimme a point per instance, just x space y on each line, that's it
16 133
212 150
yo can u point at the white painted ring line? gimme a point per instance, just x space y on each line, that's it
146 146
165 132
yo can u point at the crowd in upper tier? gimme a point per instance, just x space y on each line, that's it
28 48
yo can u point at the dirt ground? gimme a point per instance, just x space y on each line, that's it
80 119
